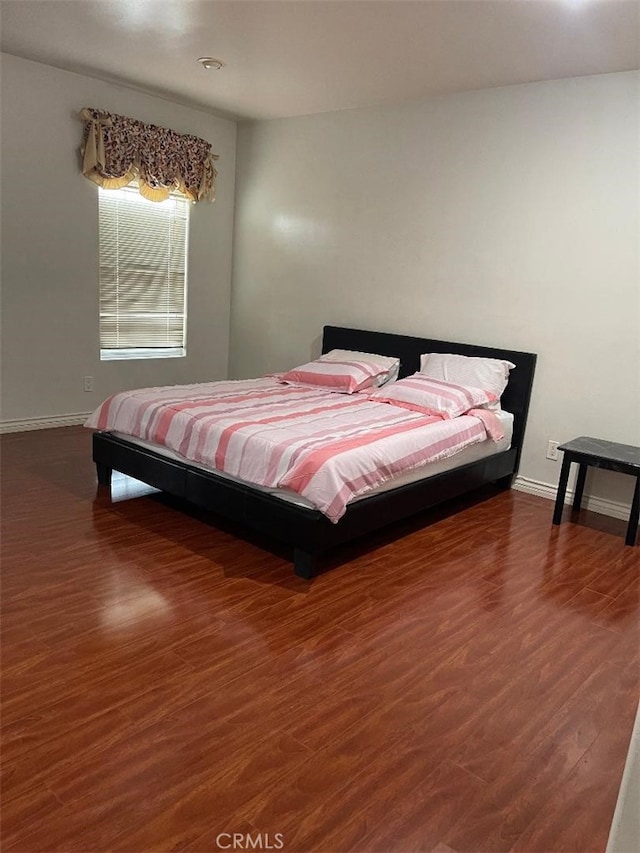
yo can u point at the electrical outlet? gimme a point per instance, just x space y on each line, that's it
88 383
552 450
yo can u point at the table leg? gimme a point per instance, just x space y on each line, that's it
577 496
562 488
632 529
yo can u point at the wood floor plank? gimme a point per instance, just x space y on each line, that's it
419 820
564 824
466 681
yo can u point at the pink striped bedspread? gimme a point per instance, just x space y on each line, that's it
327 447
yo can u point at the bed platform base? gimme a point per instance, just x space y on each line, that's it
308 531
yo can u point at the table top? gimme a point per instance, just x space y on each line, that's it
628 454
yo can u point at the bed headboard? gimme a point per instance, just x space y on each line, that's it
408 349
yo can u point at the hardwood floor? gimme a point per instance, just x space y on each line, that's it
466 682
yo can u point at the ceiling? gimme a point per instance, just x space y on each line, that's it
294 57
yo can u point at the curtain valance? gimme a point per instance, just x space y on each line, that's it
117 150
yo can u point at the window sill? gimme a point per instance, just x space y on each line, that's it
129 354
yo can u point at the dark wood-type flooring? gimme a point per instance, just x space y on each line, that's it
465 682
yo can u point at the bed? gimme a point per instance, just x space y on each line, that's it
306 529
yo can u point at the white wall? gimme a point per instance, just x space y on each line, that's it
50 247
506 217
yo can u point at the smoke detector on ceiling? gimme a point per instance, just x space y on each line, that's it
211 63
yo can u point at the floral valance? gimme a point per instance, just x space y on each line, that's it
117 150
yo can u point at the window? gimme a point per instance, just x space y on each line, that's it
143 275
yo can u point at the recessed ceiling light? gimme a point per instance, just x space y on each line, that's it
211 63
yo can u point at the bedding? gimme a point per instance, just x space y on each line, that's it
326 447
472 453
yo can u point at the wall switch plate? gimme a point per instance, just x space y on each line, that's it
88 383
552 450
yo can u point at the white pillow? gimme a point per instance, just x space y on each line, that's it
390 362
490 374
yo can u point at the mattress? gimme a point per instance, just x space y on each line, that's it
473 453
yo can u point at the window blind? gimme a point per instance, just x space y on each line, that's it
143 271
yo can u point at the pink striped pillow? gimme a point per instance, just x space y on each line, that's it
346 377
391 364
420 393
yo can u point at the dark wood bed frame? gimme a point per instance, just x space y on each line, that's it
308 531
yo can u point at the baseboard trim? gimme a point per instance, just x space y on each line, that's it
546 490
43 422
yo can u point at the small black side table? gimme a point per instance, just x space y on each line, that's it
600 454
